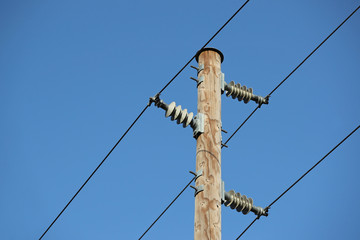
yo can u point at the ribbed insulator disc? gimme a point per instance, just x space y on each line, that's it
176 113
188 120
183 115
170 109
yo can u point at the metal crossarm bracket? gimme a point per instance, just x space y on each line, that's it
240 202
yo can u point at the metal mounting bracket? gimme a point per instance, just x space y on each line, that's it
197 174
200 80
198 189
222 192
223 83
198 69
198 127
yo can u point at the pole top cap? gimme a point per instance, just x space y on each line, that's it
207 49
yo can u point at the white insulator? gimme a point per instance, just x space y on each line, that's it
181 116
170 109
188 119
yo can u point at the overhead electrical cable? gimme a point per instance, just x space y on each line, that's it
247 228
87 180
282 194
167 207
240 126
221 28
142 112
299 179
296 68
269 96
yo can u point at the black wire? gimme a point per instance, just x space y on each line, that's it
294 71
107 155
270 95
172 81
313 166
132 126
313 52
302 177
167 207
247 228
204 46
240 126
135 122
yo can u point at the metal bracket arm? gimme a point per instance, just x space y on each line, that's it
197 174
198 189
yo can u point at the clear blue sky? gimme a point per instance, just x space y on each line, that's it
75 74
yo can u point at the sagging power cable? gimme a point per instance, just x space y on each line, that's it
299 179
296 68
142 112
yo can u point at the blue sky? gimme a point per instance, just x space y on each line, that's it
75 74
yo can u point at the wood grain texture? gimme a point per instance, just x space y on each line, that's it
208 150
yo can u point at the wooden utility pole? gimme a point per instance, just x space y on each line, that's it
208 147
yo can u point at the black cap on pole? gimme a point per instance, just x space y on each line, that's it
207 49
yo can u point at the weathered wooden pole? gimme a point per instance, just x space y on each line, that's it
208 147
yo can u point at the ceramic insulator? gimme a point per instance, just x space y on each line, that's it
180 115
239 92
239 202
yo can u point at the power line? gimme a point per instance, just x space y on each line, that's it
298 180
247 228
167 207
293 71
313 52
171 80
313 167
269 96
240 126
136 121
242 6
107 155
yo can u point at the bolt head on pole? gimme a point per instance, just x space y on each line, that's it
209 49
